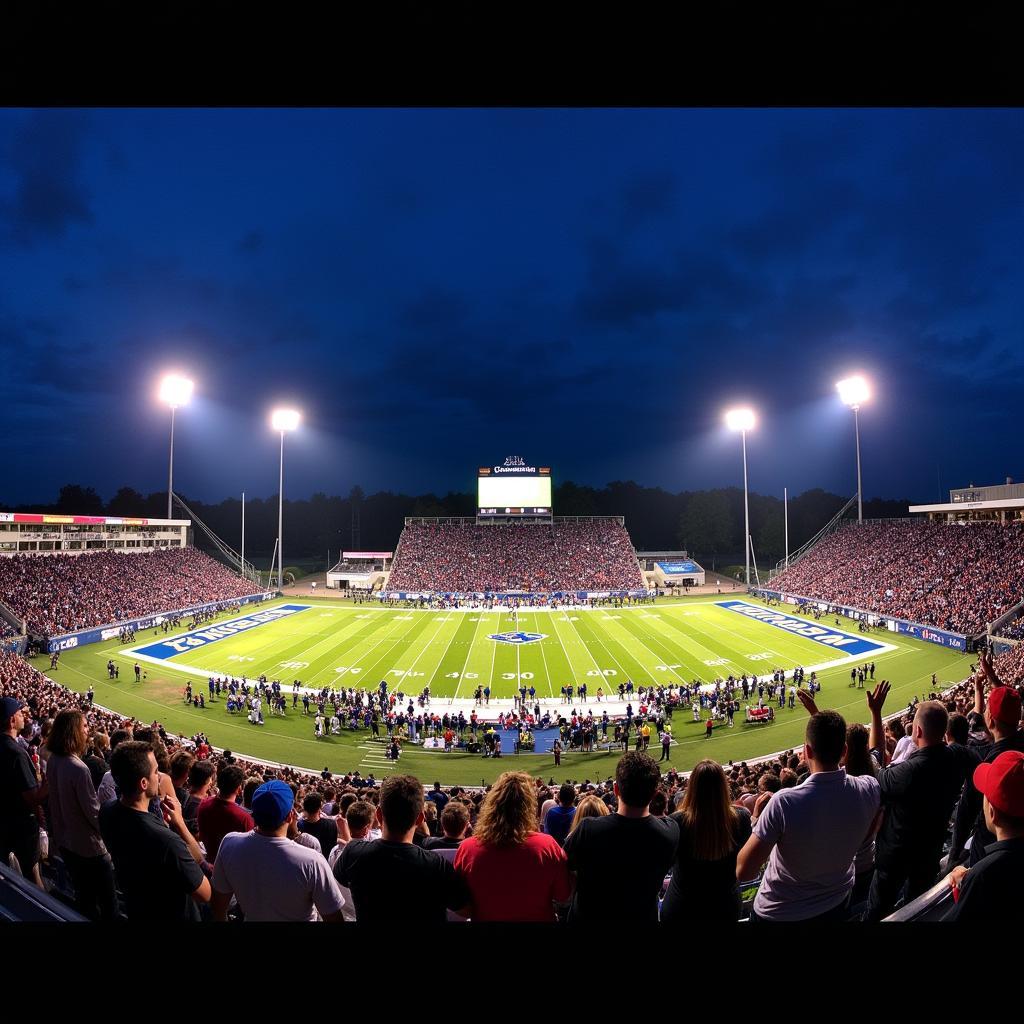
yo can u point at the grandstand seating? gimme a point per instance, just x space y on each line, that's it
955 577
62 593
591 554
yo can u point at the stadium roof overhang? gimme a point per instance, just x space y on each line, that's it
972 506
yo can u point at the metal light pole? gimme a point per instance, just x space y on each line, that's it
785 513
854 392
282 420
743 420
175 391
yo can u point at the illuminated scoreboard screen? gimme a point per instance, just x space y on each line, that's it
514 489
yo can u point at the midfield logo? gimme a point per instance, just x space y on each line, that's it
517 637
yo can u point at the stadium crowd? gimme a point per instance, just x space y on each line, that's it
586 555
144 825
58 594
955 577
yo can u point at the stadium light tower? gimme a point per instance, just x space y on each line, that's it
743 420
282 420
175 391
854 392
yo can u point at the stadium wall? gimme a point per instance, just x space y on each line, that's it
108 632
918 630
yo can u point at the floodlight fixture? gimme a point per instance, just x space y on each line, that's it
285 419
740 419
854 391
175 391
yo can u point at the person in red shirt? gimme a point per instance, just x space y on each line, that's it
218 815
514 871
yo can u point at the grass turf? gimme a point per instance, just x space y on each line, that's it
333 643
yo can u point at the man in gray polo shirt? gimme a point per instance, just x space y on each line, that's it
810 833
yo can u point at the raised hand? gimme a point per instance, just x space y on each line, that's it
876 698
808 702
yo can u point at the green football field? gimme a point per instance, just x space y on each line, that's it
334 643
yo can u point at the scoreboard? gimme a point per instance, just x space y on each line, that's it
514 488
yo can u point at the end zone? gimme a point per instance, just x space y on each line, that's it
852 645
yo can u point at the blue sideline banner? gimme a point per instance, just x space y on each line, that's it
943 637
111 632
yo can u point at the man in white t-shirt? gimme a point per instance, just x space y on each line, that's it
273 878
810 833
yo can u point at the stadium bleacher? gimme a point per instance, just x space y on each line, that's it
952 576
551 557
58 594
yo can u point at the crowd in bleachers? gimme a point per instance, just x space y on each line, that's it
585 555
505 853
58 594
954 577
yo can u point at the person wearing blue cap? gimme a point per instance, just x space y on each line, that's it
273 878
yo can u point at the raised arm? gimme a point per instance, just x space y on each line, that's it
876 740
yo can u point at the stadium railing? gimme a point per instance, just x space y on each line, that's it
932 905
20 900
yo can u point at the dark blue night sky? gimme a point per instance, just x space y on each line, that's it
439 289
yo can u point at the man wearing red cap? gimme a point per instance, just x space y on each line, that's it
993 889
1002 719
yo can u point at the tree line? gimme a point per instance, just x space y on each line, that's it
708 523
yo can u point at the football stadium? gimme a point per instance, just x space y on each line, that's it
516 650
625 678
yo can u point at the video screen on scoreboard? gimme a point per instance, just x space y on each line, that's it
514 489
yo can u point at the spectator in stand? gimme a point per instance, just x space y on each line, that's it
454 826
859 760
1002 718
558 820
273 878
200 781
810 834
218 815
992 890
391 879
181 762
74 818
359 818
316 824
514 872
620 861
918 797
20 792
158 868
591 806
107 790
711 834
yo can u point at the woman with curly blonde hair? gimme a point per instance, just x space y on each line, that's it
514 871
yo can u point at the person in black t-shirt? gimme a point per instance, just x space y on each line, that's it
392 880
317 825
157 866
20 792
711 833
620 860
993 889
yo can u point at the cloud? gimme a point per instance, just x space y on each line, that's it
45 153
